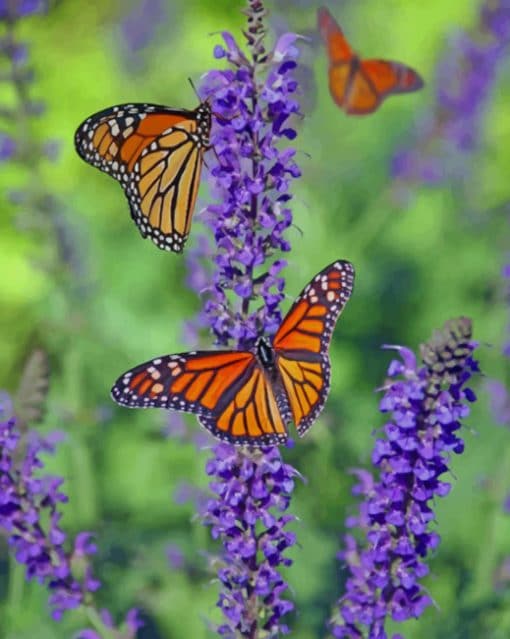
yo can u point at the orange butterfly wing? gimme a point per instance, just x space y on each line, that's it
360 86
301 344
228 390
155 153
352 91
388 77
337 47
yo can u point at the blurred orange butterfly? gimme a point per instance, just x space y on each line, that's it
156 155
360 86
249 397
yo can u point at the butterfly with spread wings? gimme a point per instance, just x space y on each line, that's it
360 86
156 155
249 397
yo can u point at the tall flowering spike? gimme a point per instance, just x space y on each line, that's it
251 170
465 78
426 404
15 144
30 515
247 489
139 27
31 501
37 210
252 100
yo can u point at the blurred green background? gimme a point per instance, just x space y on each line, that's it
115 301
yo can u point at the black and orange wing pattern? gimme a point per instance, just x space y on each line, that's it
389 78
359 86
156 154
337 47
375 80
301 344
228 390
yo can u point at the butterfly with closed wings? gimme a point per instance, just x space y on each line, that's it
360 86
156 155
248 397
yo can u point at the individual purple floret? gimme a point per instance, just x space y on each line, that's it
251 493
7 147
425 403
465 79
30 515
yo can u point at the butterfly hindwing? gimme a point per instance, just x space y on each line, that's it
360 96
388 77
227 390
301 344
156 154
253 415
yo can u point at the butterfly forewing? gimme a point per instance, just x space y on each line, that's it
156 154
196 382
337 47
228 390
301 344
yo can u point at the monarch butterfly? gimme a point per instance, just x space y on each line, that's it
156 154
249 397
360 86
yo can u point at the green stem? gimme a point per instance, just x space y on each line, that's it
97 623
15 590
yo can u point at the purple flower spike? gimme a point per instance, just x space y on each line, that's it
30 516
426 404
465 79
252 491
253 101
239 279
140 27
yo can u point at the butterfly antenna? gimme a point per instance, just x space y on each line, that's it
298 229
217 157
194 89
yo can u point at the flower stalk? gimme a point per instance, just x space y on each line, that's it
426 404
253 99
466 75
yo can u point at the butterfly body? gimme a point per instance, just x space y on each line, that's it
357 85
156 155
248 397
265 354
